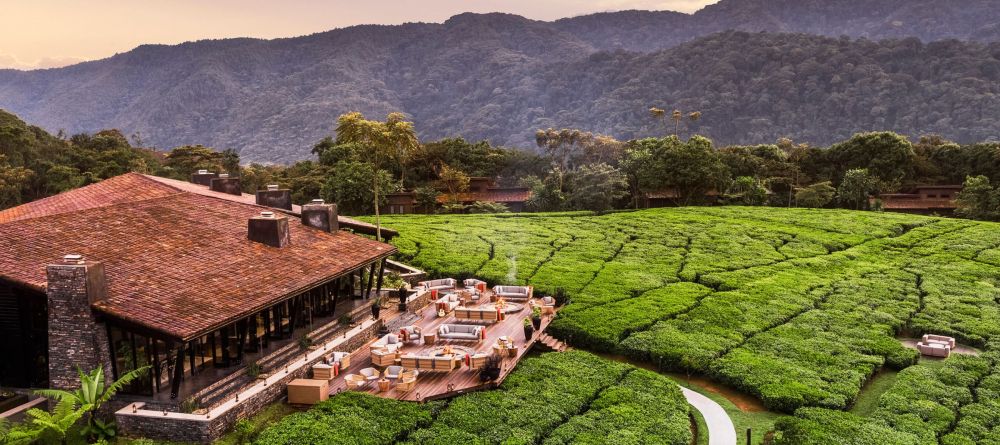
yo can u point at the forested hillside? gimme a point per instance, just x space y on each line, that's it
500 77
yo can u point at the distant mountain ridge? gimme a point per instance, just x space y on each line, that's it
501 76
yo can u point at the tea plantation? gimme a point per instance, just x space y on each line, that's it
797 307
555 399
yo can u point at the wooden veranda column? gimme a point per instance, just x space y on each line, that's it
175 384
381 274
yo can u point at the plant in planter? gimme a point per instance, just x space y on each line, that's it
305 342
345 320
254 370
536 317
376 307
529 329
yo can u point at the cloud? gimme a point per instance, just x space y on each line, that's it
10 61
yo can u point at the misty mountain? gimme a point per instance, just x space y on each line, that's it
500 77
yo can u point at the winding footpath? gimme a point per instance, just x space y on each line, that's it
721 430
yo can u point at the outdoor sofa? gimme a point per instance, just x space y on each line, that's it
460 332
441 285
513 292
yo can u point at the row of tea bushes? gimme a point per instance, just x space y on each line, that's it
349 417
556 398
749 296
925 405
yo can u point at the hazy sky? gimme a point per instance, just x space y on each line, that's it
50 33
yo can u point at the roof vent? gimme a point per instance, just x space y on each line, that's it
203 177
275 196
226 184
320 215
269 229
73 258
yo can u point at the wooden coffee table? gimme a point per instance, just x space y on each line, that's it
383 384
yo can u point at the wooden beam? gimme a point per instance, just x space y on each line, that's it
175 385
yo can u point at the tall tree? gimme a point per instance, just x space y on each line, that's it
978 200
379 144
597 187
855 188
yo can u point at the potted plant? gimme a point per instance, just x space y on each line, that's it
536 317
376 307
529 329
403 295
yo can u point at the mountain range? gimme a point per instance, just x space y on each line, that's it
815 71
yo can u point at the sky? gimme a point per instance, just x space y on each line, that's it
53 33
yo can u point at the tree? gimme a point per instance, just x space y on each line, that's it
230 161
691 168
855 188
91 395
816 195
425 198
978 199
350 186
660 115
12 181
677 116
597 187
885 155
455 181
748 191
188 159
378 143
546 195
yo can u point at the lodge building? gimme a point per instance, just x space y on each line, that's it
195 280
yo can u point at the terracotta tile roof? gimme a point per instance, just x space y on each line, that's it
178 263
124 188
359 226
513 194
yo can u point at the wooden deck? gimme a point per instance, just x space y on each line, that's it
433 385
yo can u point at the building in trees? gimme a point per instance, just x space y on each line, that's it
480 189
139 271
921 199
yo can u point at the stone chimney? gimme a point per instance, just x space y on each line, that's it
278 198
75 336
269 229
225 184
320 215
203 177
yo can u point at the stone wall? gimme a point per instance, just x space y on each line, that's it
76 339
205 428
419 301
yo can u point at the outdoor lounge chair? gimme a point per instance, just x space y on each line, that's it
409 334
389 342
406 384
392 372
447 302
355 381
408 373
370 374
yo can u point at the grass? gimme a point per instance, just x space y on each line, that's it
701 432
760 422
868 398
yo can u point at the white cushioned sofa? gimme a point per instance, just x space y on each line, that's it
444 284
460 332
513 292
